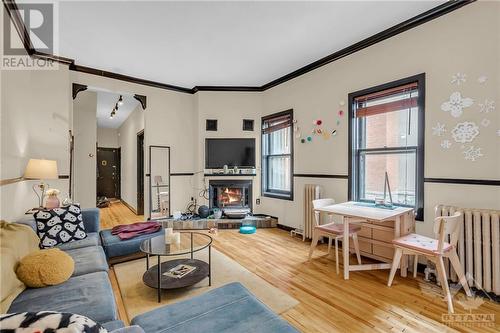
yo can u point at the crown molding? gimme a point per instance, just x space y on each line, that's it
452 5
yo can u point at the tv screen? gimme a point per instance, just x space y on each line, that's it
230 152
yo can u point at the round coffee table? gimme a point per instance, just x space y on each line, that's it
190 243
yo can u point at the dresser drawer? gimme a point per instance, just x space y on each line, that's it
383 235
389 224
364 245
365 232
383 251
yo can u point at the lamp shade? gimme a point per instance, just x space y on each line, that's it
41 169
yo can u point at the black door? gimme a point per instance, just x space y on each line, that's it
108 172
140 173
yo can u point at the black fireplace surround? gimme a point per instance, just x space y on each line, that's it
225 194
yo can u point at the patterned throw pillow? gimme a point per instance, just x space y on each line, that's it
49 322
59 225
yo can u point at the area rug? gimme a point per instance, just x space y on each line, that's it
138 298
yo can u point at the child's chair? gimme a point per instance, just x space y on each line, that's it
332 231
435 250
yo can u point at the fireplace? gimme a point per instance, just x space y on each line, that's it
231 194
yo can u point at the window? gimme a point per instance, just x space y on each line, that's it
277 155
387 135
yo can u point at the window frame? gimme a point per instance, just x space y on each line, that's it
355 154
265 192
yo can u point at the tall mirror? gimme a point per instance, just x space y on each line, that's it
159 182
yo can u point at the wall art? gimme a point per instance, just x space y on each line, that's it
458 78
446 144
472 153
485 122
465 132
439 129
487 106
482 79
456 104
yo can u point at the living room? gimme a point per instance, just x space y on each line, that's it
264 150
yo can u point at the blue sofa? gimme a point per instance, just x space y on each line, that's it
230 308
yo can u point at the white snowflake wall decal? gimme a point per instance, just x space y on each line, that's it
472 153
458 78
446 144
456 104
465 132
482 79
485 122
487 106
439 129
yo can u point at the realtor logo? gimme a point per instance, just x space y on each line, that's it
35 22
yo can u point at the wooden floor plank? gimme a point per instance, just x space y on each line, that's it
327 302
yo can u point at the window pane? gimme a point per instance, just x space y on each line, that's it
391 129
401 169
279 173
279 142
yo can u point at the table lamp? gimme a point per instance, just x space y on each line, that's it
41 170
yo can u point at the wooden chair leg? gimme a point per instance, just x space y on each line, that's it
356 246
314 243
444 282
337 255
415 265
329 244
395 263
457 266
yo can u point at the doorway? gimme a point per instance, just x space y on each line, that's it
108 172
140 173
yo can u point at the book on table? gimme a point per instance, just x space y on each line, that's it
179 271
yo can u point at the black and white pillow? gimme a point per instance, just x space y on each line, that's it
48 322
59 225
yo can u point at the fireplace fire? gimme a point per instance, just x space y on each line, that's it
231 194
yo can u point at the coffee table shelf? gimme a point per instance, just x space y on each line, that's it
191 242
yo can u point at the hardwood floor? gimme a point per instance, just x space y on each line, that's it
117 213
328 303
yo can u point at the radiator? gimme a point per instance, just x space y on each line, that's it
311 192
478 247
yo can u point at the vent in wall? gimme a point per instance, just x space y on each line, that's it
211 125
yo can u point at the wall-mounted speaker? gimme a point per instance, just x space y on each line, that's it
211 125
248 124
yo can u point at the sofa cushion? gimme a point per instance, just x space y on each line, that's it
88 259
113 325
44 268
16 241
91 240
115 247
89 295
49 321
60 225
231 308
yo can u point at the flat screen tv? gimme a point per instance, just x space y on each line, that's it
230 152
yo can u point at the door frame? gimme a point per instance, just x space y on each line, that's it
118 167
140 173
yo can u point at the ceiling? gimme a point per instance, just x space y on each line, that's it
227 43
105 103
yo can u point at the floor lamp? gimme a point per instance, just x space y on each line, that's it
41 170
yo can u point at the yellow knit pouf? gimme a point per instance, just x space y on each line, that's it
44 268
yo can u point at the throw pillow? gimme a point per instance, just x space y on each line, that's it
44 268
59 225
49 322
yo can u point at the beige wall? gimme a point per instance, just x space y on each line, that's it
85 154
466 41
128 143
35 123
107 137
